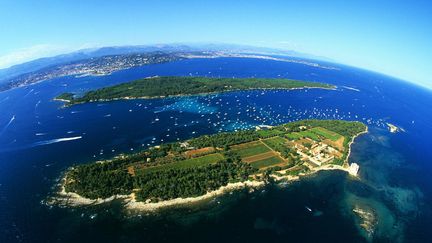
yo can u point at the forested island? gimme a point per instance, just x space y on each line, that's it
197 166
157 87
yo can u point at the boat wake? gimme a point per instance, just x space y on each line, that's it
37 104
350 88
57 140
31 91
7 125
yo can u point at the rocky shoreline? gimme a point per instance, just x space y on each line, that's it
71 199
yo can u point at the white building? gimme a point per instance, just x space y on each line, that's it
353 169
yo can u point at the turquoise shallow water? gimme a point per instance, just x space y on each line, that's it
39 140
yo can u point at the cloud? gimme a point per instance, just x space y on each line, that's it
34 52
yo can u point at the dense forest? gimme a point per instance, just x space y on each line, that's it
222 140
171 86
99 180
111 177
190 182
102 180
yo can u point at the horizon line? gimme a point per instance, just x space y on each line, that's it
96 47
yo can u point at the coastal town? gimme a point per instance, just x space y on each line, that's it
97 66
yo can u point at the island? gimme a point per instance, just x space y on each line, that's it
160 87
202 167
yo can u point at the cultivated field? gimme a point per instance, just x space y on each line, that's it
326 133
250 149
293 135
274 142
197 152
260 154
188 163
257 157
272 161
269 133
315 133
339 144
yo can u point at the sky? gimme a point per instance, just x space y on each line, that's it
391 37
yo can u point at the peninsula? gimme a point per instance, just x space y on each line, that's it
208 165
159 87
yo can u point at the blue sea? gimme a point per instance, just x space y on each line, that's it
39 140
